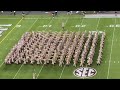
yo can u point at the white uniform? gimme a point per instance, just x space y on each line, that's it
63 25
34 75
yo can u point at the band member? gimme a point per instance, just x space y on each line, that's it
34 74
63 25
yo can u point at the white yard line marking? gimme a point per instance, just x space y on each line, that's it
118 61
47 25
42 18
98 24
18 71
66 21
22 64
1 64
7 35
81 23
114 61
40 71
10 31
64 65
43 64
62 72
111 51
33 24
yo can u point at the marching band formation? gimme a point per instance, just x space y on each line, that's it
56 47
101 48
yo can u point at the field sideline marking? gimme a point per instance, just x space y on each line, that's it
111 51
23 64
43 64
43 18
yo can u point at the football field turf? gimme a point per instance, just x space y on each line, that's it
109 68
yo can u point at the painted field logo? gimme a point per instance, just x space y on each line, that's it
85 72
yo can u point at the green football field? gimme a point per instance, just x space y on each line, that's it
109 68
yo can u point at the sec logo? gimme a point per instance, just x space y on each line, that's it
85 72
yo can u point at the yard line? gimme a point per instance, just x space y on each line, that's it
66 21
22 64
10 31
43 64
40 71
18 71
81 22
64 65
7 35
62 72
98 24
1 64
111 51
46 27
49 23
32 24
27 30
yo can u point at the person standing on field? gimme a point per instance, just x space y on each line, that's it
115 13
34 74
14 12
63 25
